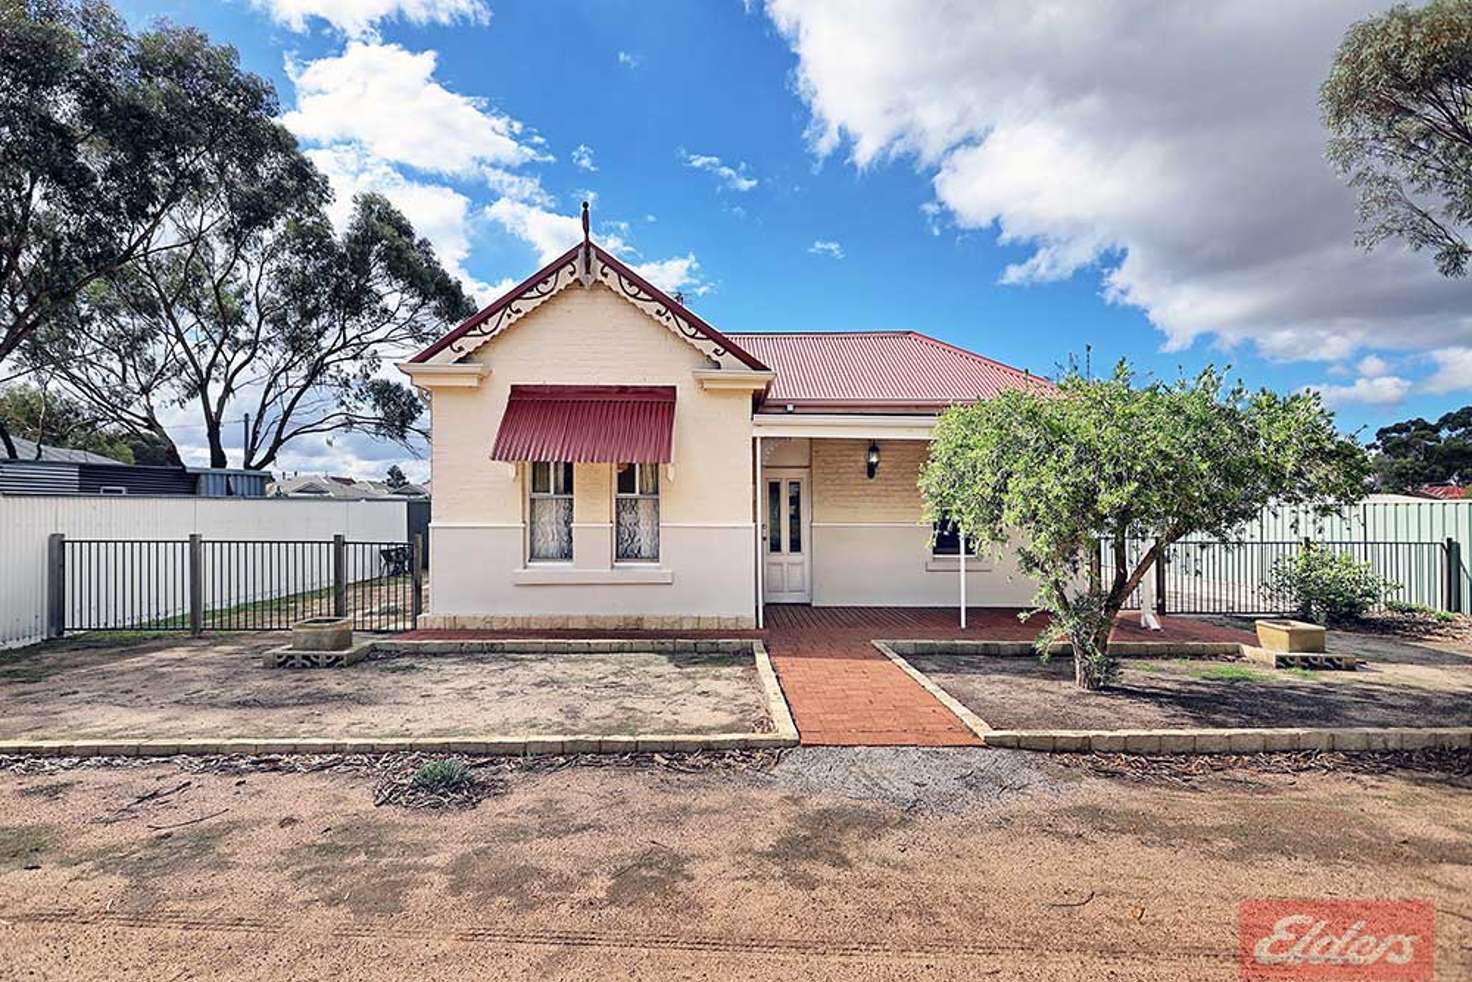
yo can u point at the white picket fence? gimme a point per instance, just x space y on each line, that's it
26 521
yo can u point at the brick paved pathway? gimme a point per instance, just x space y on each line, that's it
843 692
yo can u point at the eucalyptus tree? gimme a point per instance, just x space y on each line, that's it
103 134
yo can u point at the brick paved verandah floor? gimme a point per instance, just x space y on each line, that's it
844 692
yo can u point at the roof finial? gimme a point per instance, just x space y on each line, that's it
586 256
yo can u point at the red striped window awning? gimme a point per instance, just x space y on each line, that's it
615 424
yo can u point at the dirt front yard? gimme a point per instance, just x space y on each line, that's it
178 688
832 864
1402 683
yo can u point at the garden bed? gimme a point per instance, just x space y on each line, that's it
1404 689
186 689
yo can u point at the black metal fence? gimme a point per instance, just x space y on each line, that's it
1219 577
202 584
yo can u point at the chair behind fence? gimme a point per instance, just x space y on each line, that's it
199 584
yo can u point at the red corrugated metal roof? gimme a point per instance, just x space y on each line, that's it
901 368
623 424
1446 492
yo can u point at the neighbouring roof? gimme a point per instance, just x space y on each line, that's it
1446 492
26 450
588 424
895 370
343 488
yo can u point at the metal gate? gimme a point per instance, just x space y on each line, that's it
199 584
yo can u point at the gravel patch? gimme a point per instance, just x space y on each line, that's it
941 780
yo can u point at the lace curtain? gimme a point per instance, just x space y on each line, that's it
551 531
637 528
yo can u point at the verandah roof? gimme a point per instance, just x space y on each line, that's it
584 424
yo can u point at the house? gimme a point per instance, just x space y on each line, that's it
345 489
61 470
603 457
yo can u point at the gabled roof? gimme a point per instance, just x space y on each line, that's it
584 263
879 370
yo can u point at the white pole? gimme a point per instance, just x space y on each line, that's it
961 562
761 562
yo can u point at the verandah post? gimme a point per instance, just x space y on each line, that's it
55 585
416 605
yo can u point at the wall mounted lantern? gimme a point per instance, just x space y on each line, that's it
872 459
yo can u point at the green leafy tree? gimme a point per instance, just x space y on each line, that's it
103 135
1396 105
43 416
1048 476
289 326
1416 452
395 477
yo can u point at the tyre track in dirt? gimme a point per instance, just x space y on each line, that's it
379 930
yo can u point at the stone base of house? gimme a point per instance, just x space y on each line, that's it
583 622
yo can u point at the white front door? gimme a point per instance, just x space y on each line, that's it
786 531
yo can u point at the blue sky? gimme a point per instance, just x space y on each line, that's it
1021 180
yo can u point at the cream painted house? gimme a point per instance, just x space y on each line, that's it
602 457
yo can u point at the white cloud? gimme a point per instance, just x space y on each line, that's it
1373 365
551 234
1178 151
385 98
360 17
679 274
1384 390
582 156
826 247
734 178
630 60
1453 370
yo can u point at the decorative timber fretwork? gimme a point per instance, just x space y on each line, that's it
588 265
517 306
630 288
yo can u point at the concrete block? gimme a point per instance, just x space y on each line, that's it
1142 742
1177 742
1036 741
1245 741
1349 738
1107 743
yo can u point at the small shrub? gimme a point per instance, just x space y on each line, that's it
442 775
1328 587
1419 610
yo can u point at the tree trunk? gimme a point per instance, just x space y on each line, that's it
217 448
7 442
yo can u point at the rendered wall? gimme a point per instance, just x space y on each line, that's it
589 336
869 547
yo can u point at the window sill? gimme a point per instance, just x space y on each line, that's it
536 575
947 564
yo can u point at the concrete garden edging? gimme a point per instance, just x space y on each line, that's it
1185 740
1019 649
784 731
1233 741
